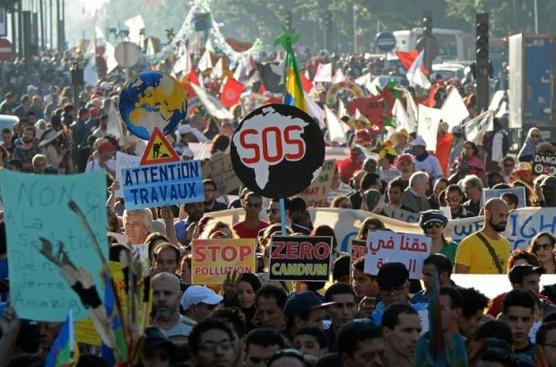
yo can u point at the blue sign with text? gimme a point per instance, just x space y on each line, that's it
163 184
385 41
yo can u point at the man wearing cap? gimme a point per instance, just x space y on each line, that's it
302 310
393 287
486 251
415 196
166 291
526 277
548 192
199 302
423 160
104 159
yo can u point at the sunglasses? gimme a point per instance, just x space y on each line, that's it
433 225
544 246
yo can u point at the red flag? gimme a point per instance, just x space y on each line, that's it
231 91
408 58
190 78
431 100
306 82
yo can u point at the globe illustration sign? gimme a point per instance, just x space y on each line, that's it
153 100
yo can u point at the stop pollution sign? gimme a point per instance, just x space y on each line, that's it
277 150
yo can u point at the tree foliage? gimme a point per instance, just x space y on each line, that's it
250 19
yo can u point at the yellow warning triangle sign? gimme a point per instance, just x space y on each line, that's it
159 150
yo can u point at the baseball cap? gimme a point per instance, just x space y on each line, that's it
105 146
432 216
303 302
519 271
418 142
196 294
392 275
155 338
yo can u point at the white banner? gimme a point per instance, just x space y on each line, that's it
429 119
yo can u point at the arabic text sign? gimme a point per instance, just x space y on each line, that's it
407 248
213 259
316 194
37 206
304 258
163 184
221 171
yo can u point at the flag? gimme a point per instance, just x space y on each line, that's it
189 79
63 351
338 76
271 75
307 83
365 82
453 109
415 74
218 69
412 111
323 73
313 109
431 98
294 89
231 92
476 128
205 62
401 119
429 119
336 131
182 64
112 310
90 75
212 104
408 58
111 62
135 25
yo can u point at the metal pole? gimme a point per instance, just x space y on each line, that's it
354 28
51 25
536 17
42 27
20 27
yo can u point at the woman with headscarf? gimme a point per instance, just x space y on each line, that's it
527 152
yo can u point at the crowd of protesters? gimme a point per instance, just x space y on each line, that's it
356 319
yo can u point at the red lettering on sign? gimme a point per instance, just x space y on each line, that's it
277 248
244 252
298 142
292 251
321 251
256 154
305 250
229 253
272 137
277 143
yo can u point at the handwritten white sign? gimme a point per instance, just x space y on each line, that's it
407 248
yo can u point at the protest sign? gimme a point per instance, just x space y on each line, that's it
163 184
316 194
544 164
400 214
300 258
36 208
219 169
276 150
124 161
407 248
85 333
213 259
158 150
518 191
523 224
358 249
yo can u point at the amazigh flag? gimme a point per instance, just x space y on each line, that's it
294 88
63 352
119 355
